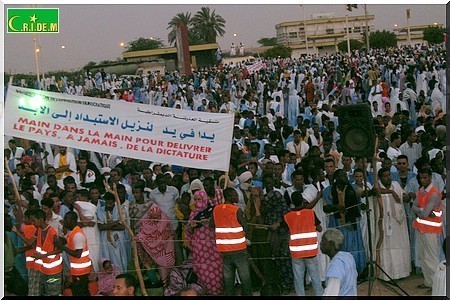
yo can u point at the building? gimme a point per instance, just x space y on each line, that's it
415 33
201 56
322 33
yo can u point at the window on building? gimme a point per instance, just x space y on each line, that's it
292 35
330 31
357 29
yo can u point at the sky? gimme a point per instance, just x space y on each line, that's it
93 32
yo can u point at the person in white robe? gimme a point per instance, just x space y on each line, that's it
437 99
310 194
293 109
395 246
421 83
88 218
439 287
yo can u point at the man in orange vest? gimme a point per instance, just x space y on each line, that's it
28 234
303 226
428 209
47 257
230 226
78 253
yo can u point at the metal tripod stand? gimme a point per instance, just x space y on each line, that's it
371 264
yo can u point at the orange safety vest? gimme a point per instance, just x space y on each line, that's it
303 241
29 231
429 225
52 264
82 265
229 233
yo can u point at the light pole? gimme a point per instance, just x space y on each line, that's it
367 28
346 30
305 28
408 16
36 51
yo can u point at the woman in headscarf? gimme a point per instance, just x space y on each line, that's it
156 238
273 209
207 261
106 276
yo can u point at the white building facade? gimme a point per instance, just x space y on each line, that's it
322 33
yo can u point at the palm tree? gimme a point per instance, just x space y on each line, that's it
207 26
184 18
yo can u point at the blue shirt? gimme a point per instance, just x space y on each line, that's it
343 267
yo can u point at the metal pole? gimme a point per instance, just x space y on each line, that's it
408 15
36 57
41 63
306 31
346 27
367 29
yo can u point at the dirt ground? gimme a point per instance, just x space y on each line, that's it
382 288
408 284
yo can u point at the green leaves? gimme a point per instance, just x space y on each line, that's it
382 39
144 44
204 27
434 34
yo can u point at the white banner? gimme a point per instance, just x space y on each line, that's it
158 134
255 67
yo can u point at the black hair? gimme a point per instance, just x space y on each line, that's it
47 202
228 193
297 198
130 280
38 214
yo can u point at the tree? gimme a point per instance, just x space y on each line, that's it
268 41
434 34
90 65
144 44
354 45
184 18
382 39
278 50
206 25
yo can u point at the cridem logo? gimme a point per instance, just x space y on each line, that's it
31 20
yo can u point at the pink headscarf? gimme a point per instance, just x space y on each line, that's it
156 236
200 204
106 279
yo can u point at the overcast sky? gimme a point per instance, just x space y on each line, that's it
94 32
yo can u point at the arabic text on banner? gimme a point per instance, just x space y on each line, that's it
166 135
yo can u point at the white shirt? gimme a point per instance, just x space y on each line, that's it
392 153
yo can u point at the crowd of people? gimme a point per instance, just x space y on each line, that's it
292 209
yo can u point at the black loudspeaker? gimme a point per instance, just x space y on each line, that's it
357 133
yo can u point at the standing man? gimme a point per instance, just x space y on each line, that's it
411 148
303 244
165 196
395 250
17 152
428 209
47 258
64 163
341 274
78 253
230 225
